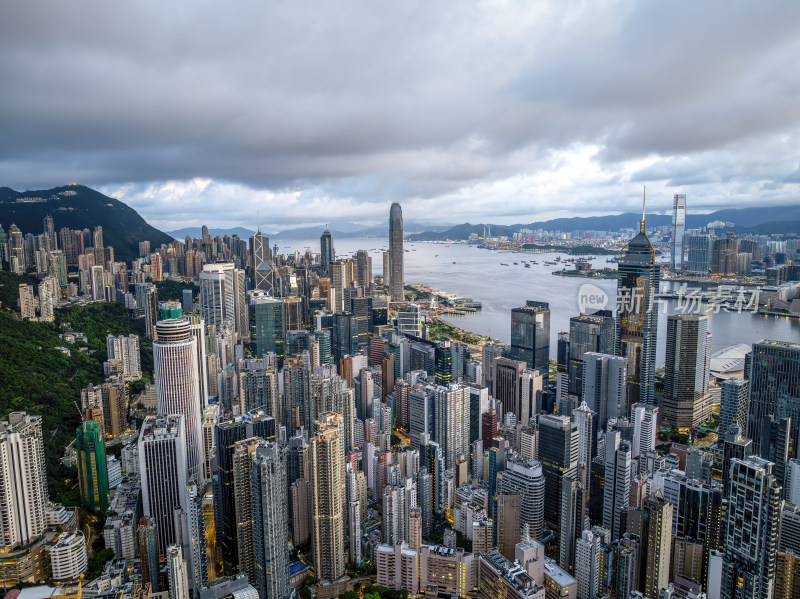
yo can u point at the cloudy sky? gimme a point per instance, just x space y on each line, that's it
312 111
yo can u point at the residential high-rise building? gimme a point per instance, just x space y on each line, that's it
605 388
637 286
686 401
270 521
329 496
245 521
326 252
27 302
558 454
396 279
163 472
177 572
751 530
23 493
451 408
92 467
774 388
530 336
657 541
724 255
178 386
587 565
126 350
678 230
508 520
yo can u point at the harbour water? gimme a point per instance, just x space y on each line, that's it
478 273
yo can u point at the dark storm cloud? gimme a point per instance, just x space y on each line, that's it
208 110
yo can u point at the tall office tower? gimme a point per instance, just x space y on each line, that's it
605 388
489 427
527 480
177 573
226 435
678 230
587 333
698 253
587 565
734 404
326 252
92 467
126 350
558 453
162 459
396 253
270 521
245 521
530 337
637 286
774 388
261 259
617 481
222 298
657 541
489 352
724 259
23 493
452 422
178 386
645 423
444 363
507 522
148 550
584 421
506 376
686 401
269 331
751 530
387 270
345 335
328 503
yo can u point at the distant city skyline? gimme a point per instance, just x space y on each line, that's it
493 112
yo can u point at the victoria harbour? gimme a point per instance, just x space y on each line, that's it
480 274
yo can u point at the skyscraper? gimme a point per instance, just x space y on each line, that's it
686 400
530 337
261 258
558 453
637 286
92 467
617 481
678 229
326 252
734 404
270 520
605 386
23 494
698 253
657 540
751 530
177 573
269 331
452 421
396 253
178 386
587 333
774 387
329 496
162 459
587 564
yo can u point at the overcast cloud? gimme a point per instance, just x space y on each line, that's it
309 111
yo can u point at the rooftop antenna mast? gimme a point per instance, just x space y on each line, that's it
642 226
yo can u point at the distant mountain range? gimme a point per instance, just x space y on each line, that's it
766 220
341 229
79 207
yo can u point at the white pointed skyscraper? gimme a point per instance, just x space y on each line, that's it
396 253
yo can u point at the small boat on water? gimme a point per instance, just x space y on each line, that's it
503 264
527 265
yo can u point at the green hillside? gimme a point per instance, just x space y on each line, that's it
79 207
